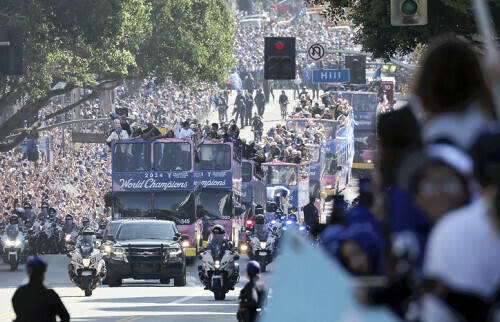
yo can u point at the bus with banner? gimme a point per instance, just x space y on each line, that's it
156 180
364 110
288 176
218 174
253 187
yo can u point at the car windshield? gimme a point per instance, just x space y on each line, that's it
215 157
246 171
281 174
130 230
172 156
177 206
216 204
132 204
133 156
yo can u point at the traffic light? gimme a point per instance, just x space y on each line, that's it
279 57
408 12
357 69
11 56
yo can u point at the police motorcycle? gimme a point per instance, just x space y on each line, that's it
219 272
14 244
87 268
262 243
71 233
32 236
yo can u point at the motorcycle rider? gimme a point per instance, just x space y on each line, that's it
87 237
43 215
29 215
311 216
85 223
260 229
257 127
253 296
219 239
69 224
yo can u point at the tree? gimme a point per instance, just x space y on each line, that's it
372 18
96 45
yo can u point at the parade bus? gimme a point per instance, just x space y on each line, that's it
315 167
218 173
156 180
253 188
364 110
288 176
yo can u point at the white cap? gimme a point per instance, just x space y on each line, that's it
131 117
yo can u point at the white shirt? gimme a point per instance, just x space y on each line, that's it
463 251
122 136
186 134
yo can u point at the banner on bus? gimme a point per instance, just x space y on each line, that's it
153 181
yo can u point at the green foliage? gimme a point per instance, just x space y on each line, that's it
372 18
87 43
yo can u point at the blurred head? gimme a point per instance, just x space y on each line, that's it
36 268
14 220
253 268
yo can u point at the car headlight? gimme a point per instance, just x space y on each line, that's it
118 253
244 247
368 161
108 249
175 252
185 243
263 245
86 262
328 187
217 264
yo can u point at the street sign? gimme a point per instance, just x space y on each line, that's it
316 51
331 76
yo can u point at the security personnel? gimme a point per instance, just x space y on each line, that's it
34 302
311 216
253 296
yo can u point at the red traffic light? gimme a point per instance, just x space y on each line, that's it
280 45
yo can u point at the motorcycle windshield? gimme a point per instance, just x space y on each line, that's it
85 245
12 231
216 245
68 225
261 232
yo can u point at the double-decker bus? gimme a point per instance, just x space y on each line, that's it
218 173
314 165
289 176
364 110
156 180
253 188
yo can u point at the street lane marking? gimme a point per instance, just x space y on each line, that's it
187 298
7 315
131 318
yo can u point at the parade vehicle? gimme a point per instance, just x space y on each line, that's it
156 180
148 249
14 247
288 176
218 175
87 268
364 110
262 246
253 188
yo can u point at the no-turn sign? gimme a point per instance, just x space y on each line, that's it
316 51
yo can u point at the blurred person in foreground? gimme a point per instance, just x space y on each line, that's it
253 295
462 262
33 301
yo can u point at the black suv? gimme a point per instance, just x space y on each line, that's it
147 249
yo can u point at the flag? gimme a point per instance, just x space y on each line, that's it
300 13
235 80
311 286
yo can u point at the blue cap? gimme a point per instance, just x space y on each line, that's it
36 264
253 268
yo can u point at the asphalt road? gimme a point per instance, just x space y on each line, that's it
136 300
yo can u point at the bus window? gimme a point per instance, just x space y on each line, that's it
132 156
215 157
365 102
217 204
172 156
132 204
246 172
281 174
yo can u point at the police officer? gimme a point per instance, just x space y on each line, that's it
69 224
311 216
34 302
43 215
221 104
259 100
219 239
253 296
239 109
29 215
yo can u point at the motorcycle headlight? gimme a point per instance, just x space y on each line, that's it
79 261
93 260
302 228
217 264
67 238
108 249
273 222
263 245
86 262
